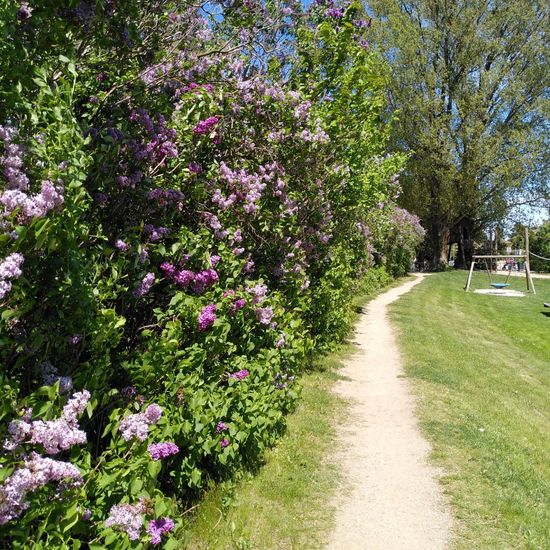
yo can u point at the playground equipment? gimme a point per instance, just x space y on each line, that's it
489 269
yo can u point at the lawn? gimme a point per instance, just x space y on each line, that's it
480 366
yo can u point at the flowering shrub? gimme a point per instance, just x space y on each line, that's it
184 217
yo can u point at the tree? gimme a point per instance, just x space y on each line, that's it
468 83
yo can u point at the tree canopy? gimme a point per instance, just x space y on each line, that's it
470 89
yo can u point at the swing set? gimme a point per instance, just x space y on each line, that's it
489 268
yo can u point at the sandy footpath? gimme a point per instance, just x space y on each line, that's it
393 500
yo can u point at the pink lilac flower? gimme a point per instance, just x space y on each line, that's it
224 443
221 427
137 425
207 317
127 518
37 472
239 375
158 527
162 450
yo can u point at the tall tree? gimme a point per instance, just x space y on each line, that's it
470 86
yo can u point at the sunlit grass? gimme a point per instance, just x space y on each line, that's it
480 366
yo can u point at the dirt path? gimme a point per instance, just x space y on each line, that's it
394 500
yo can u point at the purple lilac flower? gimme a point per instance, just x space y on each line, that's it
204 280
258 292
195 168
24 12
153 413
224 443
335 13
121 245
221 427
238 304
214 260
36 472
54 435
145 285
264 315
158 527
162 450
205 126
137 425
239 375
10 268
168 269
127 518
281 341
184 277
207 317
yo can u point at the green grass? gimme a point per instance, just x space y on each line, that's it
287 504
480 366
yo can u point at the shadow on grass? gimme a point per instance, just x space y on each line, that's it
546 313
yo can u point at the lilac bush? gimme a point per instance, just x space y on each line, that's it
178 233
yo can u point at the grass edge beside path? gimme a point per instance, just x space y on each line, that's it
288 503
478 367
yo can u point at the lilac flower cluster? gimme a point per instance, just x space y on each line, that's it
335 13
259 292
162 450
238 304
166 197
239 375
121 245
137 425
198 281
32 206
127 518
130 181
10 268
159 527
224 443
157 147
221 427
36 472
207 316
205 126
264 315
145 285
246 188
50 376
155 233
53 435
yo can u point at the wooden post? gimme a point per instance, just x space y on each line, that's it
530 285
470 276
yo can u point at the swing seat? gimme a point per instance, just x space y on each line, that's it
500 285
